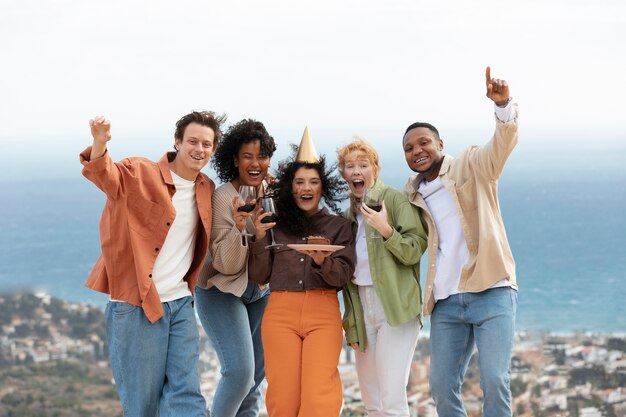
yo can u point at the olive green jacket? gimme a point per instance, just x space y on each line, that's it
394 266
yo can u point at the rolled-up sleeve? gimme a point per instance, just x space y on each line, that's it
103 172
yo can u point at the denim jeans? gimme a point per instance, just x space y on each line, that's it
154 365
486 320
233 325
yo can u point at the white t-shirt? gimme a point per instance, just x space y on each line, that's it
362 275
452 252
176 255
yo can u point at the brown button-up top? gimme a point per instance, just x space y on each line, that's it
135 221
287 270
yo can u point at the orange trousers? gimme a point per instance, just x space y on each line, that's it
302 337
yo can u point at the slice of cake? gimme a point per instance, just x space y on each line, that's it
317 240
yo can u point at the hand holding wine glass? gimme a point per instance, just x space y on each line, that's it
263 220
246 202
247 195
269 218
374 212
269 208
372 198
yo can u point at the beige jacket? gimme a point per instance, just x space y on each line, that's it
226 266
472 180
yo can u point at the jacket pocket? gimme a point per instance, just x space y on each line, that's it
143 215
466 194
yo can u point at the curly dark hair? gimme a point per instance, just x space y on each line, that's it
245 131
292 218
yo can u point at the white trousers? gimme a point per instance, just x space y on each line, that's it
383 369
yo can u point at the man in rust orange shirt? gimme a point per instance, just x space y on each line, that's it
154 234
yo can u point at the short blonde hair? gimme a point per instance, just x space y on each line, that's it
358 144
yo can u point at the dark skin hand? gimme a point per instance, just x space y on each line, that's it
497 89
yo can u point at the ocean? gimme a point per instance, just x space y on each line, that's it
567 229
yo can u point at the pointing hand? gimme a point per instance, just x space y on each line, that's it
497 89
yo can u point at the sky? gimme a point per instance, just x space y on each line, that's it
340 67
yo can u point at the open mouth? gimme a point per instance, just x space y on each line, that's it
197 157
357 186
254 173
306 197
420 160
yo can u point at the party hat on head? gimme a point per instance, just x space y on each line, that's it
306 150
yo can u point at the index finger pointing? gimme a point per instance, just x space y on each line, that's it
488 76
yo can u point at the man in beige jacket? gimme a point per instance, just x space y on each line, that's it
471 290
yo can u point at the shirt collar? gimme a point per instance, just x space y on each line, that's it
443 169
164 167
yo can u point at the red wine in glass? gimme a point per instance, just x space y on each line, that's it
248 207
270 219
247 196
269 207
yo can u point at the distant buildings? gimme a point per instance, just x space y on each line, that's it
565 375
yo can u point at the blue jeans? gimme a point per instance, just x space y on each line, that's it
154 365
459 322
233 325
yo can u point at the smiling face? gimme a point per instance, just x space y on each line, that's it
423 152
307 190
194 151
359 172
252 164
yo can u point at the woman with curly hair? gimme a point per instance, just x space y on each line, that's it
230 304
301 329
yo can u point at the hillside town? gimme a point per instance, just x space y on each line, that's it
54 361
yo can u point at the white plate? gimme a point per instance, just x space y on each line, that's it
305 247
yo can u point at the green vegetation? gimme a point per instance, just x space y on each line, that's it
75 386
62 389
36 318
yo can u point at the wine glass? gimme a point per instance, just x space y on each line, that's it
267 203
247 195
372 198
